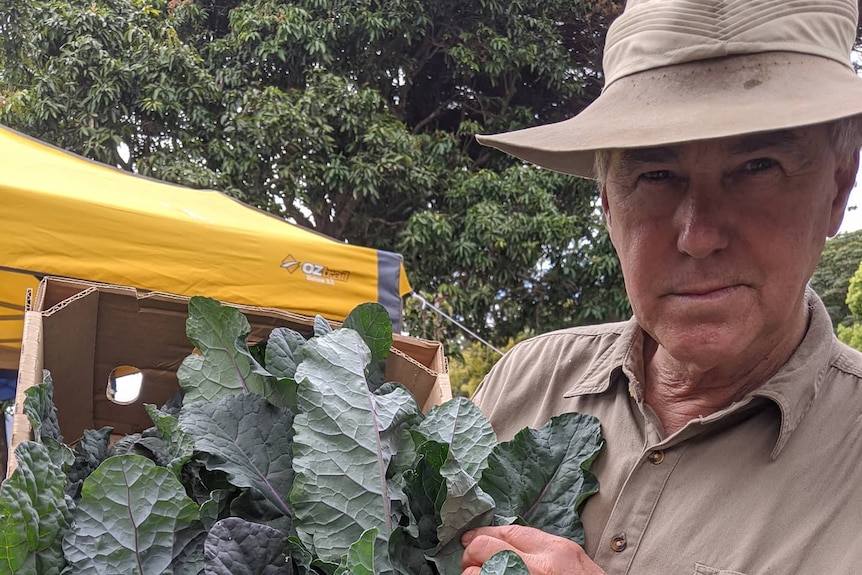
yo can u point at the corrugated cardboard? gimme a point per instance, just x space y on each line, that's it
80 331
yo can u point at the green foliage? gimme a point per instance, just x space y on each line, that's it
851 335
544 499
34 514
351 478
841 256
850 332
468 370
854 293
351 117
129 511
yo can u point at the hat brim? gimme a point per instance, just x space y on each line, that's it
699 100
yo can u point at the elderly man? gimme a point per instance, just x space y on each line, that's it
725 147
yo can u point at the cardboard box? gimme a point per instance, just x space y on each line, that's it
81 331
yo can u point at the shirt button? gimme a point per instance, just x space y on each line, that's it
656 457
619 543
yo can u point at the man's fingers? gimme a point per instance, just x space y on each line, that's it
543 553
520 538
479 546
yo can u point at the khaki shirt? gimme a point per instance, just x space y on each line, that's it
770 485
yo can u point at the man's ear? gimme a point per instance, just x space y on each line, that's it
606 212
845 180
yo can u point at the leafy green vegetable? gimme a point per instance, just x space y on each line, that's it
282 352
238 547
372 323
220 369
89 453
42 416
287 457
129 512
359 559
179 444
345 439
34 514
459 424
247 438
504 562
321 326
542 476
41 412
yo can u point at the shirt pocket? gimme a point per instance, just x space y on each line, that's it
701 569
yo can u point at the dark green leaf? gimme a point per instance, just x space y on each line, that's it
249 439
371 321
469 435
220 369
153 448
465 507
34 514
89 453
283 352
238 547
40 410
345 439
189 558
504 563
543 475
425 489
130 510
407 554
359 559
321 326
217 506
180 445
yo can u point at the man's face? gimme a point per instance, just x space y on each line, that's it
717 239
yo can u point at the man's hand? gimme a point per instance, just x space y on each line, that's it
543 554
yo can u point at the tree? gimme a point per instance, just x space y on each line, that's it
850 332
467 371
831 280
352 117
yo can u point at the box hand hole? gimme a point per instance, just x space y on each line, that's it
124 384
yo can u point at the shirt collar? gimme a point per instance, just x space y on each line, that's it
795 385
792 388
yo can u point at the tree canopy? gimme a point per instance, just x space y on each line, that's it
838 262
850 331
352 117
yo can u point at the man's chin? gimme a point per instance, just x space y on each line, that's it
706 346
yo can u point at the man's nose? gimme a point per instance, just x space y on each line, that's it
700 220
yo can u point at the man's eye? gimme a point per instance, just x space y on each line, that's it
760 165
656 175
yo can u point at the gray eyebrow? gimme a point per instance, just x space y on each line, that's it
788 139
630 157
780 139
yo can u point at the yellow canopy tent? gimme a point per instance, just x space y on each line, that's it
64 215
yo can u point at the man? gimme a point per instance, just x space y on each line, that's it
725 147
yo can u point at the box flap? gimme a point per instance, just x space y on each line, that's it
68 347
29 374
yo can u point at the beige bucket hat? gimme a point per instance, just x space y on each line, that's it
684 70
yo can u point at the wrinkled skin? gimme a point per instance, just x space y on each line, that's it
717 240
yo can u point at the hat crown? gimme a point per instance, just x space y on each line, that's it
651 34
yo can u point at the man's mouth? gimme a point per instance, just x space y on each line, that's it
707 291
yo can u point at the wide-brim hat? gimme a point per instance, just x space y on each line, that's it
685 70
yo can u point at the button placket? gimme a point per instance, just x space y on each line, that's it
634 507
